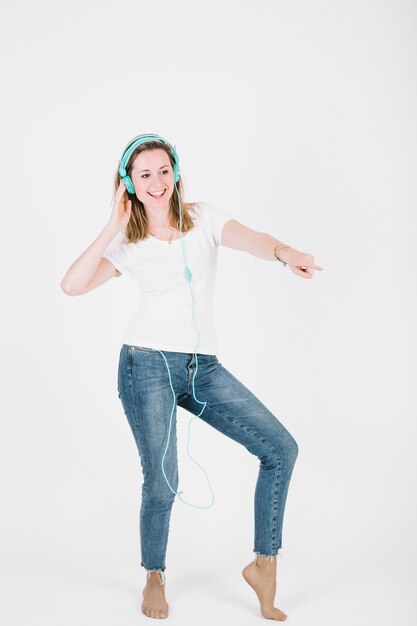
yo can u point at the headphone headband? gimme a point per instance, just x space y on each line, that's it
131 147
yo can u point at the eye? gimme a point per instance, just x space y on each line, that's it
163 171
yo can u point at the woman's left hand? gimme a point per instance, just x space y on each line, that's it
300 263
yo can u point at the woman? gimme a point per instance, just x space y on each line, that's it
154 235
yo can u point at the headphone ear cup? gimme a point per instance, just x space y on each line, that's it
129 185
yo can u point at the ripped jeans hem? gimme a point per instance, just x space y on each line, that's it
270 557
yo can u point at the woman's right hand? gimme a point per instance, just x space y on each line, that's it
122 208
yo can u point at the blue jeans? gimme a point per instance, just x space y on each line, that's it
144 388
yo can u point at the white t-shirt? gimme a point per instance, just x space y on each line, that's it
164 319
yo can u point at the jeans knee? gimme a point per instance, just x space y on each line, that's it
292 449
158 501
158 494
283 452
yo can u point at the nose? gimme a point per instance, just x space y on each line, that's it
158 181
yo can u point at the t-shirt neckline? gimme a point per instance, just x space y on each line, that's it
167 241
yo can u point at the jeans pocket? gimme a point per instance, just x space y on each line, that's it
143 349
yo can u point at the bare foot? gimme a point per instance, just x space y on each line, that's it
261 576
154 603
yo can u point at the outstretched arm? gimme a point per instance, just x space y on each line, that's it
239 237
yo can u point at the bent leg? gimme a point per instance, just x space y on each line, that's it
236 412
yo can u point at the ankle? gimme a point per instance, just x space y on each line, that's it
262 560
154 576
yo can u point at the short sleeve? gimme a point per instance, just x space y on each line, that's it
116 252
217 217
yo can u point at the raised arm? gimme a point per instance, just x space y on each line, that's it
90 269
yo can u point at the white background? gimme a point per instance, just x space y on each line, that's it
299 118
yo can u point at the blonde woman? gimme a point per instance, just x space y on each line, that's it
149 228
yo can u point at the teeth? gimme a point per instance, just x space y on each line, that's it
157 194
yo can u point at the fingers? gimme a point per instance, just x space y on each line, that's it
120 190
305 271
311 263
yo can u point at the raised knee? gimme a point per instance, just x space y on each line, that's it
289 450
292 449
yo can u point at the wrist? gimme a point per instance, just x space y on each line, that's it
281 252
284 253
112 227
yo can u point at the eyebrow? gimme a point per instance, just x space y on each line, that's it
150 170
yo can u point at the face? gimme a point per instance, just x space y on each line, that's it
152 173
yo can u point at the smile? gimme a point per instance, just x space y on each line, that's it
158 194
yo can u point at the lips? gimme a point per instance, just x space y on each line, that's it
158 195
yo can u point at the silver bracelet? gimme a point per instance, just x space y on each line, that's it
276 255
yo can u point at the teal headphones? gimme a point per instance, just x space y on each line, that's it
127 153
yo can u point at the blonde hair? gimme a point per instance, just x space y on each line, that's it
137 227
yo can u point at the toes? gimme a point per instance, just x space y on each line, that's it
155 613
275 614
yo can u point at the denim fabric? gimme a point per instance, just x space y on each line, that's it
145 392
